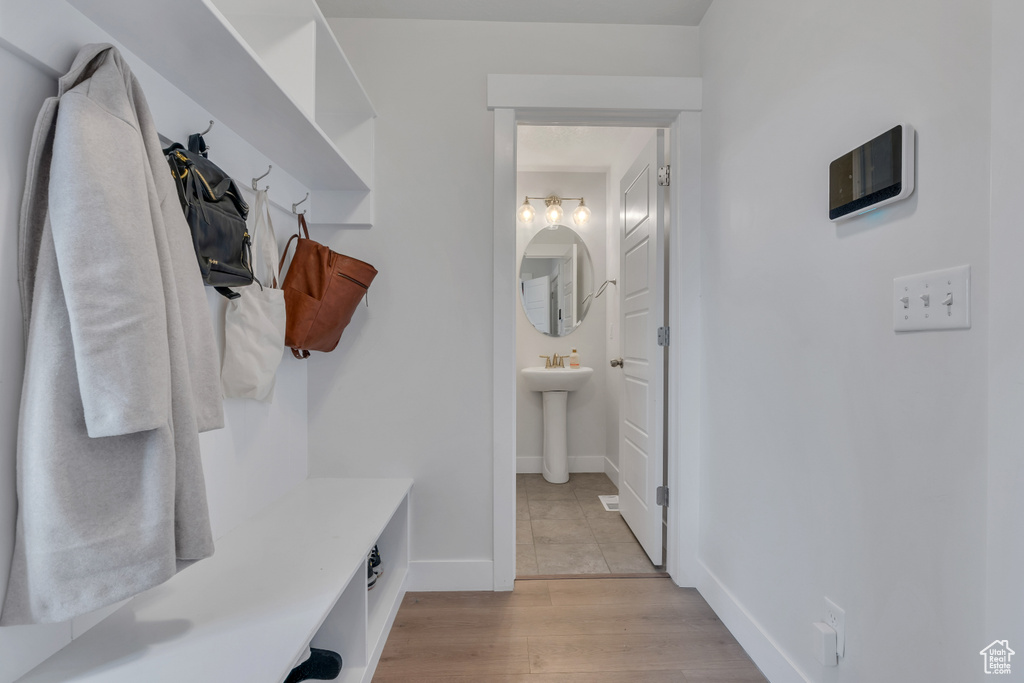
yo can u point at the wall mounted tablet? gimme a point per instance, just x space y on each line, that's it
879 172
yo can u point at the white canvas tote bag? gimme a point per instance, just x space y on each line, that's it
254 322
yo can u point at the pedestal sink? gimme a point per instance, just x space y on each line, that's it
555 385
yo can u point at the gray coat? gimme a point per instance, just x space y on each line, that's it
121 368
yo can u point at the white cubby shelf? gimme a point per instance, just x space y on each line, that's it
294 574
271 70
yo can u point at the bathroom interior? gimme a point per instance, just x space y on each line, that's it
567 517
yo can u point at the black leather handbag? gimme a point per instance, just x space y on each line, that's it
216 213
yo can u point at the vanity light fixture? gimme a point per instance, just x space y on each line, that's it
553 213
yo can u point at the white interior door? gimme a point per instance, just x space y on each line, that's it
641 429
536 302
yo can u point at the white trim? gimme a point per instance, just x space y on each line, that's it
569 99
608 93
504 376
382 638
612 470
533 464
451 575
764 651
684 353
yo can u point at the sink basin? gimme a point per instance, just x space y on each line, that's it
556 379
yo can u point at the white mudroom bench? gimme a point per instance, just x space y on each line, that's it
294 574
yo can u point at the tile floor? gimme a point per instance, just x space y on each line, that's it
564 529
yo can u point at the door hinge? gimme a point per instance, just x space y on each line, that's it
661 496
663 336
665 175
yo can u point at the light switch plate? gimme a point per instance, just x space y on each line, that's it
919 301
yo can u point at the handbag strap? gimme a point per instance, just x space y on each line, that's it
284 254
197 145
300 354
302 229
265 238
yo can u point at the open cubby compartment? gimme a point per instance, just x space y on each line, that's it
295 45
358 624
261 67
347 120
344 631
283 35
387 593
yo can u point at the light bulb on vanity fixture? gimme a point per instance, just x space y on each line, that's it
582 214
553 213
526 212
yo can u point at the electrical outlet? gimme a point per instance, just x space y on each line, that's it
835 617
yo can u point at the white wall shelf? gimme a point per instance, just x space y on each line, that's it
271 70
293 574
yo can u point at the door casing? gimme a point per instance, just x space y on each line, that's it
669 102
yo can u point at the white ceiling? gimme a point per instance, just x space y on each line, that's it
568 148
672 12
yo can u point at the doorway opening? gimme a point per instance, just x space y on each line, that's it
609 439
668 102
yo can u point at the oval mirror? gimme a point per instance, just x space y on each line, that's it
556 280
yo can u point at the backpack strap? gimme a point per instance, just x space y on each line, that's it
284 254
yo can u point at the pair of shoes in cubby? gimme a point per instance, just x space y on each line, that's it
373 568
322 665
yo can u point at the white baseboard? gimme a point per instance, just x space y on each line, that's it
451 575
529 465
765 652
612 470
533 464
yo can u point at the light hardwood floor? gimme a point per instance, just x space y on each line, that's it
642 630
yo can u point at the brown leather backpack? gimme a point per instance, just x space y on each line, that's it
321 291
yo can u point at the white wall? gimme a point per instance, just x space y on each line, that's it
257 457
409 390
839 458
586 407
1005 599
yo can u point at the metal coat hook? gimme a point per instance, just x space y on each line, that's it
295 206
259 178
196 140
